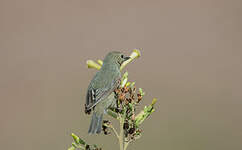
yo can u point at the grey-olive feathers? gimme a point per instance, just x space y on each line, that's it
99 93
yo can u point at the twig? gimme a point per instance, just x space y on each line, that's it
114 130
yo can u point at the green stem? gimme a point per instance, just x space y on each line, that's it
121 134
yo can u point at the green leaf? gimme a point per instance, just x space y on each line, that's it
132 84
128 84
141 92
71 148
112 113
81 141
75 138
145 113
74 145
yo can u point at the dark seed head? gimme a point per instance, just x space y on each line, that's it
87 147
126 125
106 121
131 130
104 128
126 89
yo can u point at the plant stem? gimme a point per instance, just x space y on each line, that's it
126 145
121 134
115 132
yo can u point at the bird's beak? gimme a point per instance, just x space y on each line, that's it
126 58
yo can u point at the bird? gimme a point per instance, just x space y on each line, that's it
100 93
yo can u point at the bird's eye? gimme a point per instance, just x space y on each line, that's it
122 56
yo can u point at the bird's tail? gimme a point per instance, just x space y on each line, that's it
96 123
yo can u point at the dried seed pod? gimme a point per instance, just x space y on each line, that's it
139 131
131 130
129 100
132 96
106 121
139 97
126 133
130 91
87 147
107 132
126 89
104 127
126 102
117 91
134 89
122 96
123 89
126 126
118 110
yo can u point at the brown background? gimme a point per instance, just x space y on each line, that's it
191 61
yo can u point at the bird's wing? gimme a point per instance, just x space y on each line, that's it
94 96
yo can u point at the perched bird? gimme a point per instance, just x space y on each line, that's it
100 92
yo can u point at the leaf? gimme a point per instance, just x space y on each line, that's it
71 148
112 113
77 139
145 113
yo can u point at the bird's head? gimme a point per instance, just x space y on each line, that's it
115 58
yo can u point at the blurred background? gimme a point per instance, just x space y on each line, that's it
191 61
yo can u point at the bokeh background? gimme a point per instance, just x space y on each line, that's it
191 61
